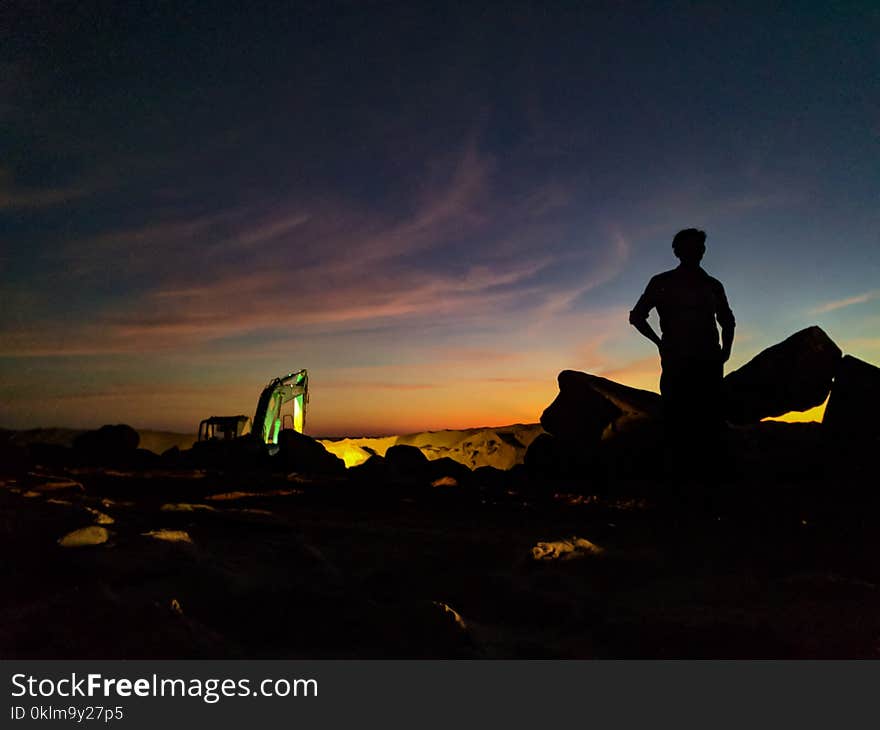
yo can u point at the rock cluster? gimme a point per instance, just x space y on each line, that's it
595 423
595 427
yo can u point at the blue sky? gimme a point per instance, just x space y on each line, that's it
434 209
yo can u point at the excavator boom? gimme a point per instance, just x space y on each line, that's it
282 404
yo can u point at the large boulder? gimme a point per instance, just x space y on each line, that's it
303 454
448 471
120 437
13 459
773 452
406 460
551 457
54 455
793 375
373 469
853 407
635 453
589 412
587 405
110 445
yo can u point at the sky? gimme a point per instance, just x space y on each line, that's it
434 208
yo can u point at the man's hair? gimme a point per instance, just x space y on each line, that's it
689 243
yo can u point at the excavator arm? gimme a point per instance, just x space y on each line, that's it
282 404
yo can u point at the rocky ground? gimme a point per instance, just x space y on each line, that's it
108 563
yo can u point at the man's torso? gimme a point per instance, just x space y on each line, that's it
687 301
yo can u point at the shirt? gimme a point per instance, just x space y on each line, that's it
688 302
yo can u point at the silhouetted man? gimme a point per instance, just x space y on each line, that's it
688 302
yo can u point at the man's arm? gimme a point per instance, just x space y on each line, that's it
638 317
724 315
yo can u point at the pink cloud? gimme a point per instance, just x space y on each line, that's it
317 266
836 304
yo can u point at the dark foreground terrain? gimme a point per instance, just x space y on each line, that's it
196 563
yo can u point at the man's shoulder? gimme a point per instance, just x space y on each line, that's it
664 277
712 281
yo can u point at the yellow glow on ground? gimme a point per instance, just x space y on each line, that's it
813 414
351 455
350 451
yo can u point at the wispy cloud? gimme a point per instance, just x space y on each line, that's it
378 385
273 229
835 304
610 263
318 265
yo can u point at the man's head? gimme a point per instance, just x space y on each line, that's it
689 246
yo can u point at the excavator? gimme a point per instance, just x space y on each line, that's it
281 405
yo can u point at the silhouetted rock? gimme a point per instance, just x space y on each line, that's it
448 468
853 407
171 457
13 459
588 411
406 460
246 453
587 405
112 445
551 457
544 456
772 451
634 453
488 477
373 468
303 454
793 375
51 455
145 459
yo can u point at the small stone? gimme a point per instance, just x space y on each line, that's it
84 537
169 535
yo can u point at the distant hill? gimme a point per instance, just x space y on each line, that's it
500 446
156 441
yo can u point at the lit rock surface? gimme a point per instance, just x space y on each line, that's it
501 447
